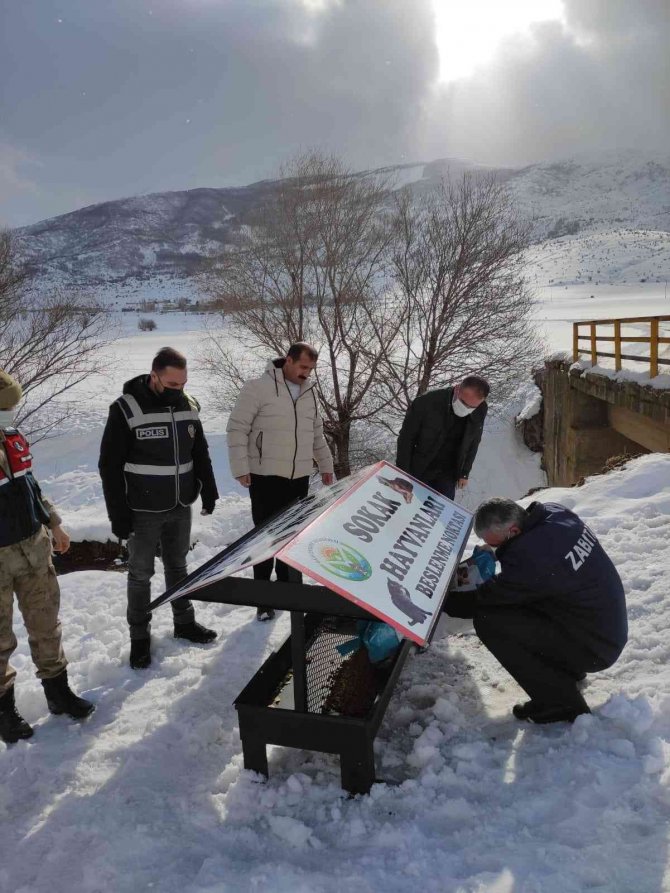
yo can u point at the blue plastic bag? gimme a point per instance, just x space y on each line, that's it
485 561
379 639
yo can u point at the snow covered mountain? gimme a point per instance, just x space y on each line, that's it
160 241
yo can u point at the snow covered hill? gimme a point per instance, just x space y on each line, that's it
624 257
588 193
151 246
150 793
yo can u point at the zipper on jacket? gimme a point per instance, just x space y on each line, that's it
295 432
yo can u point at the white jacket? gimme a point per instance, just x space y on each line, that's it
269 433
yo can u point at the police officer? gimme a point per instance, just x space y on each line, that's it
154 463
554 613
27 570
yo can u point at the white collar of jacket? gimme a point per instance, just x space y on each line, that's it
277 372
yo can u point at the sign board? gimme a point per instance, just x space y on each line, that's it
390 545
262 542
379 538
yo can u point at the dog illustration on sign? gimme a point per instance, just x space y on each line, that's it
402 600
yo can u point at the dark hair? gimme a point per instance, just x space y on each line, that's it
168 356
296 350
477 383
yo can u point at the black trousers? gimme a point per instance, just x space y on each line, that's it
269 494
172 529
541 656
444 484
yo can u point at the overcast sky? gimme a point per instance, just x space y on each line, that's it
107 98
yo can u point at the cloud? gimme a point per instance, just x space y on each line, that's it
131 98
600 80
14 178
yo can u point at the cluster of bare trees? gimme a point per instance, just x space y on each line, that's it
49 342
399 292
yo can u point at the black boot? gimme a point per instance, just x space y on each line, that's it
194 632
140 653
265 613
12 725
541 714
61 698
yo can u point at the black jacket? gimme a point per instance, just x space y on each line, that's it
153 457
426 440
557 565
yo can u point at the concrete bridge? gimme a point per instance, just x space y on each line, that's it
588 416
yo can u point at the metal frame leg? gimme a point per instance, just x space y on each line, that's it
298 647
255 754
357 767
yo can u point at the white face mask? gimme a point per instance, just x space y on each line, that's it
461 409
7 417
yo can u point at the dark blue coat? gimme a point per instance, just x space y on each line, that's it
557 566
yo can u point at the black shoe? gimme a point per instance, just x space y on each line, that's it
61 698
265 613
12 725
140 653
194 632
523 711
540 714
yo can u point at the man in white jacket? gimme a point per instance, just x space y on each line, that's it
275 434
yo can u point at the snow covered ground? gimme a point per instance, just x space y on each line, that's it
150 792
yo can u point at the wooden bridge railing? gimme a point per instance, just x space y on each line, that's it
593 337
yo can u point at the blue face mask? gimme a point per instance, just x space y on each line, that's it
7 417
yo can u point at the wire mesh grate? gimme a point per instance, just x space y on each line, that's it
323 659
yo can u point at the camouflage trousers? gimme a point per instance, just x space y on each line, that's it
27 570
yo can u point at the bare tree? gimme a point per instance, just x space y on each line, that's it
49 343
458 272
311 265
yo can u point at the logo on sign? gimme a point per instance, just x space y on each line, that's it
341 560
152 433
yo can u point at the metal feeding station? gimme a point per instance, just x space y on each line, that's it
380 546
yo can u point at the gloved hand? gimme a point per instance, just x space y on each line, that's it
121 527
208 508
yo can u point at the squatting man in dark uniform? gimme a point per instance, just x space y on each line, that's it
154 462
275 434
440 435
554 613
26 570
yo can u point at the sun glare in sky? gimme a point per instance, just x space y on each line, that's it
468 31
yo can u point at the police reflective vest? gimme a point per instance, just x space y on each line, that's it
22 511
158 470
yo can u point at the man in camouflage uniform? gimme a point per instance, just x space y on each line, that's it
27 570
